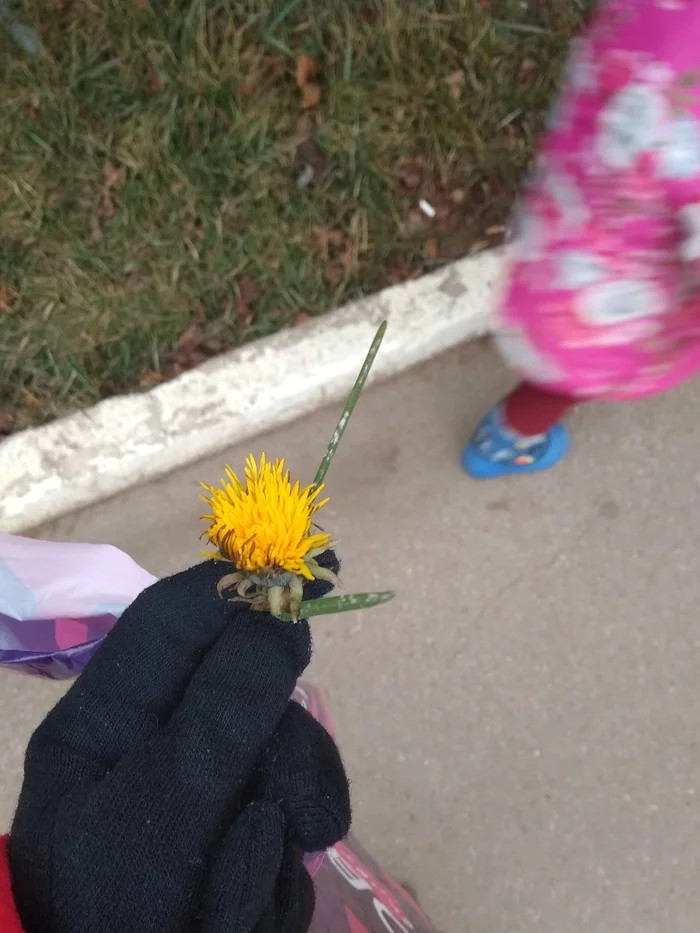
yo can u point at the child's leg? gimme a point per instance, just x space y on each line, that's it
530 410
522 434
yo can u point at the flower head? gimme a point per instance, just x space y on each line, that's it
265 526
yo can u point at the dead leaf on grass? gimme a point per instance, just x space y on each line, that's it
194 334
189 350
432 248
479 246
324 238
95 231
527 72
401 270
8 297
337 251
306 70
511 137
455 84
191 225
310 96
33 105
151 378
115 175
31 400
411 172
248 294
114 178
249 291
155 84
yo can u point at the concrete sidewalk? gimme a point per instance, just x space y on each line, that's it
521 724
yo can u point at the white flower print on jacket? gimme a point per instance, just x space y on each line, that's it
566 197
629 124
578 268
522 355
619 301
690 220
528 237
680 150
582 71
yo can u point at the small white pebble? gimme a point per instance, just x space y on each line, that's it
427 209
305 177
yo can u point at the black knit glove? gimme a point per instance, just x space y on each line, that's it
176 786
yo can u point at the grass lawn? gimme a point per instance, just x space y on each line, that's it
180 176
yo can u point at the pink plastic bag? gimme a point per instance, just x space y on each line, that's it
57 603
353 894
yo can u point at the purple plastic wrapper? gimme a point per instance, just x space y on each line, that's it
57 603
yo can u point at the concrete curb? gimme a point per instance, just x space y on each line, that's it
93 454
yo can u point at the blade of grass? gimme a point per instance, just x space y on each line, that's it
526 29
350 406
283 14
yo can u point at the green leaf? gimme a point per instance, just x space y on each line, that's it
349 408
334 604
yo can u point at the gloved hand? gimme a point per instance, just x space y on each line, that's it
176 787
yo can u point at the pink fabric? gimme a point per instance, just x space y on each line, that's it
603 296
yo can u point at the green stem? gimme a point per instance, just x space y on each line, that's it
349 407
330 605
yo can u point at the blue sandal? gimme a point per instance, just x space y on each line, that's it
495 450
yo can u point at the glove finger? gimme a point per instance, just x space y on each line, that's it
302 770
245 871
295 897
139 675
230 711
291 909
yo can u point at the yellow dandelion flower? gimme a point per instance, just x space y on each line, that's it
265 526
